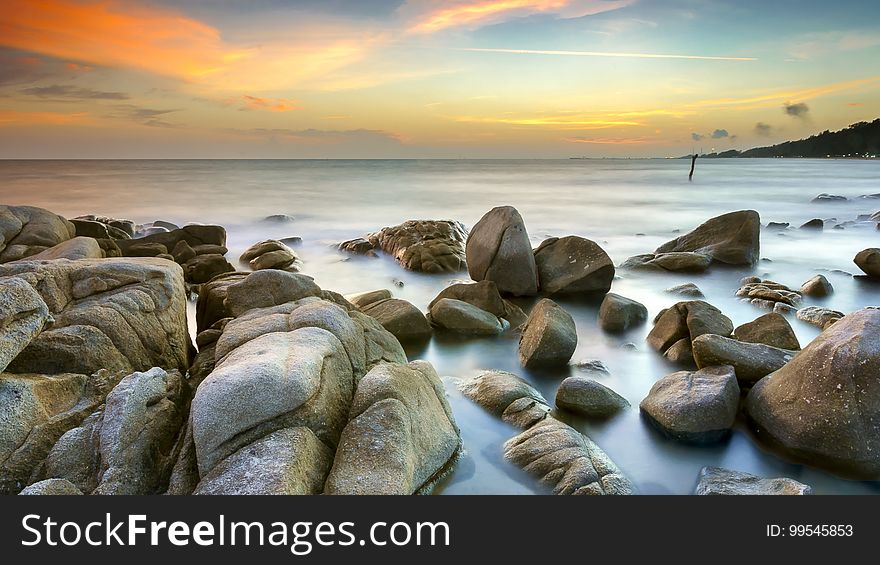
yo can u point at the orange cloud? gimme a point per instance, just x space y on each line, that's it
12 117
608 140
115 33
780 96
558 122
270 104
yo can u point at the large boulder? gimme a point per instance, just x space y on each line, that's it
589 398
732 238
289 461
573 264
566 460
430 246
26 231
211 305
262 289
824 405
401 318
52 487
401 437
499 250
461 317
76 248
363 299
23 315
675 261
506 396
618 313
676 327
694 407
271 254
770 329
751 361
202 268
868 260
549 336
120 314
718 481
98 230
194 235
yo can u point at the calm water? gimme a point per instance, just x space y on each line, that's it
628 206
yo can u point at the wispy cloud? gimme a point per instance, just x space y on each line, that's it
609 140
777 97
249 102
558 122
603 54
66 91
144 116
818 44
15 117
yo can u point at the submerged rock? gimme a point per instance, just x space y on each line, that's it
718 481
573 265
618 313
825 197
814 224
687 289
751 361
767 292
732 238
498 249
549 336
817 316
589 398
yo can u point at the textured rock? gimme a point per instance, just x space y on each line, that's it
97 230
618 313
498 249
770 329
289 461
695 407
507 396
868 260
819 317
814 224
363 299
430 246
460 317
817 287
401 436
271 254
687 321
211 305
765 291
401 318
824 406
23 314
263 289
194 235
202 268
751 361
732 238
485 296
589 397
687 289
549 336
26 231
119 314
76 248
718 481
573 265
565 460
52 487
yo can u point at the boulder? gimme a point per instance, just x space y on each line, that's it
76 248
818 316
262 289
23 315
401 437
566 460
194 235
814 224
573 265
363 299
271 254
122 314
461 317
751 361
202 268
718 481
145 250
183 252
768 291
506 396
401 318
52 487
429 246
98 230
868 260
687 289
549 336
825 197
676 261
499 250
817 287
618 313
770 329
687 321
26 231
485 296
824 406
732 238
681 353
289 461
359 246
694 407
211 305
589 397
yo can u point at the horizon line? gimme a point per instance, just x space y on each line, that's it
602 54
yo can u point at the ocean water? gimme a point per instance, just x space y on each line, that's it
627 206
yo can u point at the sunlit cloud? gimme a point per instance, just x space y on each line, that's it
69 92
855 104
778 97
249 102
559 122
609 141
318 136
14 117
603 54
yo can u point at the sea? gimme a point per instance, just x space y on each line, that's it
628 206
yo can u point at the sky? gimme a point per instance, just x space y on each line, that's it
429 78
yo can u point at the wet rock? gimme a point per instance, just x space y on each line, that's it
732 238
194 235
76 248
289 461
507 396
52 487
145 250
687 321
271 254
97 230
751 361
592 366
498 249
818 316
718 481
23 315
695 407
358 246
589 397
566 460
401 436
401 318
127 227
461 317
429 246
817 287
761 292
618 313
681 353
824 406
485 296
278 219
183 252
868 260
202 268
27 230
825 198
573 265
687 262
814 224
364 299
777 226
549 336
121 314
687 289
770 329
270 287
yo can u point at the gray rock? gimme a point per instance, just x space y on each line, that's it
718 481
401 436
23 314
52 487
695 407
460 317
485 296
194 235
549 336
770 329
732 238
289 461
868 260
818 316
76 248
401 318
262 289
498 249
817 287
824 406
429 246
814 224
573 265
271 254
507 396
618 313
363 299
687 289
751 361
687 320
825 197
589 398
26 231
202 268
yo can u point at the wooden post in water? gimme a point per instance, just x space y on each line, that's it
693 163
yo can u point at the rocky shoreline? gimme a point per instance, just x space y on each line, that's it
289 388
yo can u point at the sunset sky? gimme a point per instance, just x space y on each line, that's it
423 78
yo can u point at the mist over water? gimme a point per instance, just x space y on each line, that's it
627 206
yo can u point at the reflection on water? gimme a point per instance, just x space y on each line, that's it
610 201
